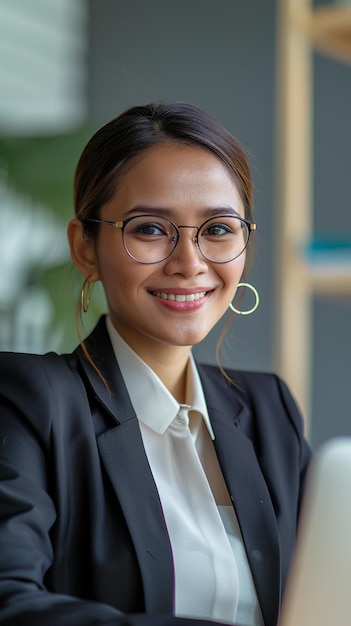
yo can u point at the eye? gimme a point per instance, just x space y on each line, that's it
223 229
217 230
149 228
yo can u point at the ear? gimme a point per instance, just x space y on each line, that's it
83 251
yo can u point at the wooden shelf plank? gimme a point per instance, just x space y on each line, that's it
329 278
321 276
329 29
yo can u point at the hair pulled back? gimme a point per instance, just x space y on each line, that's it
140 128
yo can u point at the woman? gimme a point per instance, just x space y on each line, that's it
137 487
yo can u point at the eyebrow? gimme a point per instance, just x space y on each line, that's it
170 213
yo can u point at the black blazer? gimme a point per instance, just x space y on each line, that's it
82 535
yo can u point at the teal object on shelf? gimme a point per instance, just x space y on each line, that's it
329 250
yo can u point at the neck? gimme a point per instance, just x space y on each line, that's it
170 365
167 361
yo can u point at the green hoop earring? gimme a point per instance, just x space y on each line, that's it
249 311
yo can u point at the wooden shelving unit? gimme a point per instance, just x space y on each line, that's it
301 28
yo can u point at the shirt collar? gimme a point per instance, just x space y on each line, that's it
153 403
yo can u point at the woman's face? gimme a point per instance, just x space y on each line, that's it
185 184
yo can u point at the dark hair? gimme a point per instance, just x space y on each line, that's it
140 128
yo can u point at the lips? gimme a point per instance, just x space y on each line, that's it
179 297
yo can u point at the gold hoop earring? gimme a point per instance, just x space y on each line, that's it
85 295
254 290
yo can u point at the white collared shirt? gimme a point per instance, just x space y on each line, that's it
212 576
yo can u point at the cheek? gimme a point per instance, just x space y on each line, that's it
232 272
120 275
111 261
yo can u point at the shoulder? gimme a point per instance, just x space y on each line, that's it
265 394
243 382
38 370
36 387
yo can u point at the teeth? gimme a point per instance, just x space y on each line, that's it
190 297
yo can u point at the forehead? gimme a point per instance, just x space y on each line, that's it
178 170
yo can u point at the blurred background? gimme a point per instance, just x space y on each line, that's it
277 74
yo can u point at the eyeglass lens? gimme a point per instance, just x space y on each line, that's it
150 239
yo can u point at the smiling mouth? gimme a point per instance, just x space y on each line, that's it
179 297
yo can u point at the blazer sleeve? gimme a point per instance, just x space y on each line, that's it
28 512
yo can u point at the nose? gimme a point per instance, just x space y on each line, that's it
186 257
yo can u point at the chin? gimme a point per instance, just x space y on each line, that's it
180 334
187 339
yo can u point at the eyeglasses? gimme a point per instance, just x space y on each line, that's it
151 239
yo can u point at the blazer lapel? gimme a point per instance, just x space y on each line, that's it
124 458
247 487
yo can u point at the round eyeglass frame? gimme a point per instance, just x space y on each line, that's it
250 226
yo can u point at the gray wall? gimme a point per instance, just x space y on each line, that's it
221 56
